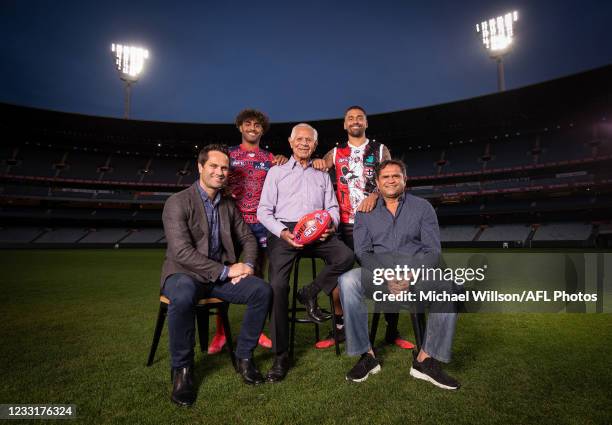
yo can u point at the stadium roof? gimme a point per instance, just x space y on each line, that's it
583 96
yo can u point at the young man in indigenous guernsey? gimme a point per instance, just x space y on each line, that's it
354 162
249 165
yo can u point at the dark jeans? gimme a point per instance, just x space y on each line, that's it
184 292
338 259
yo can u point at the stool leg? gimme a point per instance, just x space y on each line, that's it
202 313
418 325
374 328
159 325
314 268
313 265
223 311
296 273
334 327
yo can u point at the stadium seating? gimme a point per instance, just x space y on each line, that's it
139 236
505 232
458 233
66 235
19 235
563 232
420 163
104 236
493 167
511 152
462 158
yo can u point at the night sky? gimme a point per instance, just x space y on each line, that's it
302 61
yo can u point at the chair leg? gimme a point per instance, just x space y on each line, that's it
294 289
223 311
334 327
374 328
418 326
159 326
313 266
202 314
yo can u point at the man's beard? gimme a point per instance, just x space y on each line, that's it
356 132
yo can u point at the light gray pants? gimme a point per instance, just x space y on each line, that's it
441 321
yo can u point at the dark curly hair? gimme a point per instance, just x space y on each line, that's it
203 155
259 116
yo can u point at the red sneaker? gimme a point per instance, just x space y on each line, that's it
264 341
325 343
216 344
402 343
329 340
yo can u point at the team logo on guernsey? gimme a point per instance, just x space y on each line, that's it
369 172
370 159
262 165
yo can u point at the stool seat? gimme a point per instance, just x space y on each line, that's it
203 301
203 311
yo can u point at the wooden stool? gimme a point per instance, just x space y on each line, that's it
203 311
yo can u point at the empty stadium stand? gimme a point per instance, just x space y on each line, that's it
527 167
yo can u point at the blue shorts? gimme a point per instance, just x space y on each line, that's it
261 234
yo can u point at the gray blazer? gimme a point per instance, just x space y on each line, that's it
186 229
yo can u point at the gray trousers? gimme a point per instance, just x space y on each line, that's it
441 321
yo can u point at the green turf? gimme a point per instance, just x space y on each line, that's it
77 326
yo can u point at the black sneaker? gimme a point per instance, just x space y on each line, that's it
430 370
366 365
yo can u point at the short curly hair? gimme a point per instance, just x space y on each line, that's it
259 116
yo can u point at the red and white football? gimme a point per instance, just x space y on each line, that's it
311 226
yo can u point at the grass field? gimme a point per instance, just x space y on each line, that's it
77 326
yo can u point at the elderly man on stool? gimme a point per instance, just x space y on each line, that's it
290 191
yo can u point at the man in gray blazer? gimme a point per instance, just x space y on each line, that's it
204 232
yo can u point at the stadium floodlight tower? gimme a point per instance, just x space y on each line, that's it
129 61
497 36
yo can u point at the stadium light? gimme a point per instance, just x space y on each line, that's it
497 37
129 61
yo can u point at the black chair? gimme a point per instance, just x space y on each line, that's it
203 311
418 326
293 319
